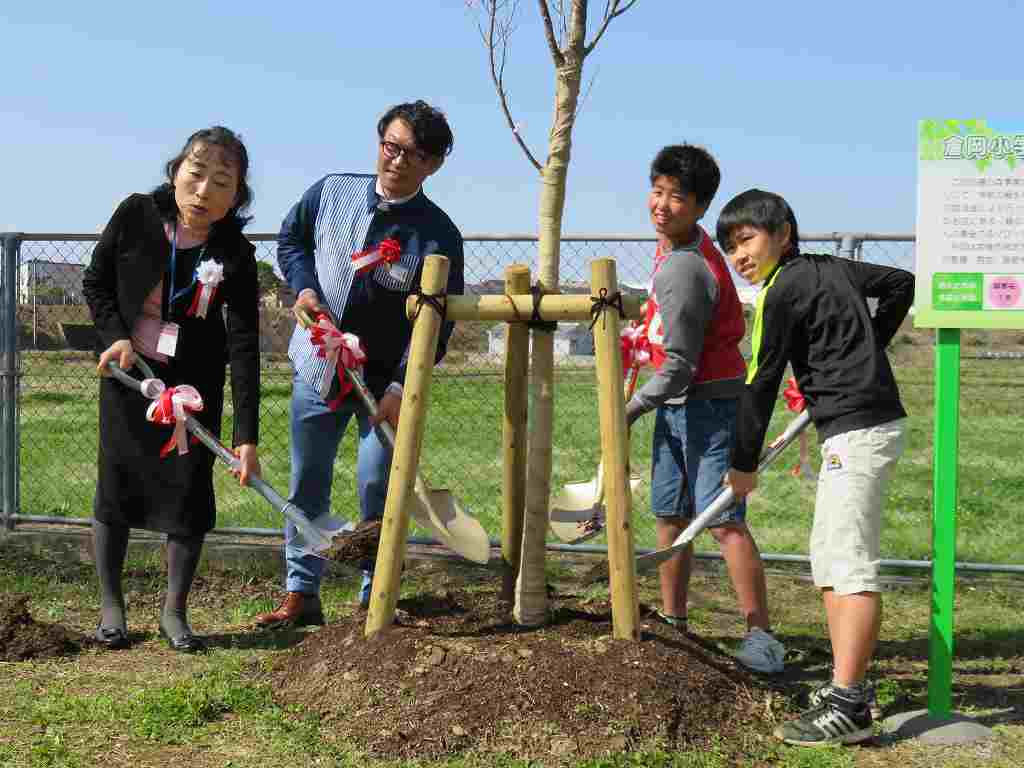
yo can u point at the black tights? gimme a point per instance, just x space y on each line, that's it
111 545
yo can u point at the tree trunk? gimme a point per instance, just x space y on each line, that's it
531 593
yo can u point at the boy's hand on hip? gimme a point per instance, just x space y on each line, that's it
742 483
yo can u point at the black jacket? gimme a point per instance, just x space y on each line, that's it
131 258
813 314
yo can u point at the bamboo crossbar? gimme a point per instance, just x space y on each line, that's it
556 307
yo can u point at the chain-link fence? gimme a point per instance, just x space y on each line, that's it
48 381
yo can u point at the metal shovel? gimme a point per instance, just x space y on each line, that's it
725 499
577 513
436 509
315 536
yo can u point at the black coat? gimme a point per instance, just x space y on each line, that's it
136 487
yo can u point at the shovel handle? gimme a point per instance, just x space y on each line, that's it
258 484
384 427
726 498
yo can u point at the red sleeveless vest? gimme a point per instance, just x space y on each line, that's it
720 358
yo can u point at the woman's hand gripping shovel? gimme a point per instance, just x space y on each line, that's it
315 536
725 499
436 510
577 513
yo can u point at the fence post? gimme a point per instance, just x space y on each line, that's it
849 248
10 248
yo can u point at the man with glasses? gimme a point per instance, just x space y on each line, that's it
352 248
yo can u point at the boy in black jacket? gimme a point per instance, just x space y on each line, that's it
813 313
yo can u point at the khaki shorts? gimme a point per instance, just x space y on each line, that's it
855 469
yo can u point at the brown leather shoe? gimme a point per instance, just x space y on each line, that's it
297 610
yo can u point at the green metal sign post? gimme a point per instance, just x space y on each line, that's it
968 274
946 475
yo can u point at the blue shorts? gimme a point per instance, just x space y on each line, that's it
692 447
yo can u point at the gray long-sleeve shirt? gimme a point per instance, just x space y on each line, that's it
687 293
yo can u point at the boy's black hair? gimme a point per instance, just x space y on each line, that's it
693 167
230 142
429 126
761 210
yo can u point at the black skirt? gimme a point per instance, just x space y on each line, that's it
138 489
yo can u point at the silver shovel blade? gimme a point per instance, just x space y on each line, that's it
452 525
314 537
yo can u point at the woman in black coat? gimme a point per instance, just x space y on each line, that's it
172 279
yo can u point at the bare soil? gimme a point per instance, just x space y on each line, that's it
456 674
358 548
23 638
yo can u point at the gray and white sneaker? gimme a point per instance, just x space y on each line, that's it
828 724
761 652
818 696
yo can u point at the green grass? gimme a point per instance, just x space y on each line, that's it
149 707
462 451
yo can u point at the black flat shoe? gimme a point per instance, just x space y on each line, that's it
112 638
184 643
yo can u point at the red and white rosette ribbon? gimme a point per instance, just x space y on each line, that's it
386 252
341 350
636 347
209 274
171 408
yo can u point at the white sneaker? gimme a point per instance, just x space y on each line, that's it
761 652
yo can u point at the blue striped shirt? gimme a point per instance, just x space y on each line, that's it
340 215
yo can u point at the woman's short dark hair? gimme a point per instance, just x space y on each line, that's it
429 126
761 210
693 167
231 143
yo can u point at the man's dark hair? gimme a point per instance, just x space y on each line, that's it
231 143
761 210
693 167
429 126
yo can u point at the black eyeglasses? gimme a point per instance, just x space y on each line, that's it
393 151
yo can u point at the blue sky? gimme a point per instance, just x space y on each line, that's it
817 101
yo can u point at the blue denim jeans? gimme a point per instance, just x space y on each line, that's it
692 448
316 435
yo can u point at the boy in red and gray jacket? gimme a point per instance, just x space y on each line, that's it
695 323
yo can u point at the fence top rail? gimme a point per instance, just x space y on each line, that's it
492 237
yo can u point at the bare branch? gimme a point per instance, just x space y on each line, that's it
563 25
612 9
549 33
575 45
498 34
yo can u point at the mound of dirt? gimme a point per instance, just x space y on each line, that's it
456 675
358 548
22 637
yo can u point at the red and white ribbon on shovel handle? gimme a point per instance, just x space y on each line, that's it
636 348
341 350
796 404
386 252
170 408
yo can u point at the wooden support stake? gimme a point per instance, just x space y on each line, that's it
615 455
408 443
554 307
513 486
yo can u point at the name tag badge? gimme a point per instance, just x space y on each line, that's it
167 343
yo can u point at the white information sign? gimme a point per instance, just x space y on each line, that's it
970 225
